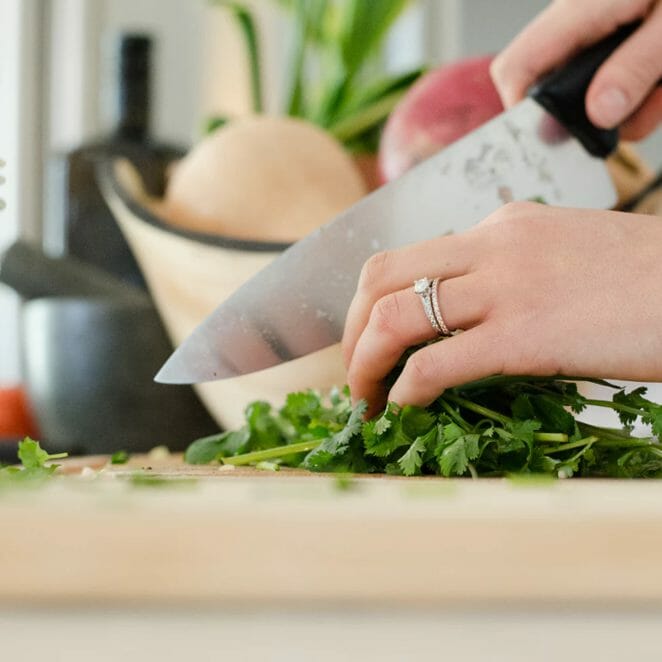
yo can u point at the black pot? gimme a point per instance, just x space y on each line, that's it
89 366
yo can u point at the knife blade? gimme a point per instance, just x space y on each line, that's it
298 303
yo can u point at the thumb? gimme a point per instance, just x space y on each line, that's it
627 78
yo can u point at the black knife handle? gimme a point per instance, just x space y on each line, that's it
563 93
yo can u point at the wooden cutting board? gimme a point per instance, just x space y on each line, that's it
248 536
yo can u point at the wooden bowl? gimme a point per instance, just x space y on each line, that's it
189 274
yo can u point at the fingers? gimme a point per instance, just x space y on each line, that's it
397 322
445 257
457 360
627 78
558 33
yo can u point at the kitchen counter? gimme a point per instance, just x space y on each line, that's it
299 560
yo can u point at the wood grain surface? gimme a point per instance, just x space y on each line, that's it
248 536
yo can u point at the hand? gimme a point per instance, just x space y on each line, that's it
538 290
623 91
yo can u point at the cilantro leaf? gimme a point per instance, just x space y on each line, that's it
524 430
411 461
333 448
119 457
33 459
31 454
455 457
217 446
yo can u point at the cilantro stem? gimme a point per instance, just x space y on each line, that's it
454 415
477 409
573 444
553 437
57 456
617 406
631 442
550 437
271 453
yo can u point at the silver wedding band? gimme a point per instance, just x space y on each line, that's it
428 291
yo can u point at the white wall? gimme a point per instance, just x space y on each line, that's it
19 149
82 34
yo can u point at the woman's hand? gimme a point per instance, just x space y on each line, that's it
624 90
538 290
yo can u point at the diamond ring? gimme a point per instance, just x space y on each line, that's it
428 291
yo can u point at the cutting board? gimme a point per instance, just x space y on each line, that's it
245 536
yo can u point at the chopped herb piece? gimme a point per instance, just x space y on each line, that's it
119 457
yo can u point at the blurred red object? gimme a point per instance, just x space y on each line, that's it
441 107
16 420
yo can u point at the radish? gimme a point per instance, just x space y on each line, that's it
440 108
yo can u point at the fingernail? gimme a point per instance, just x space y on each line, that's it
610 107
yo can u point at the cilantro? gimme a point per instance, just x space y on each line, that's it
119 457
454 457
34 463
411 461
143 479
499 426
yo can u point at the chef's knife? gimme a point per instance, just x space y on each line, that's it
298 303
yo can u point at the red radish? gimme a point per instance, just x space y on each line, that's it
440 108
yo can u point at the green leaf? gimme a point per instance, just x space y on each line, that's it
383 436
214 123
552 415
416 421
248 28
311 17
301 408
450 432
455 457
506 442
264 428
522 407
654 418
31 454
634 400
411 461
524 430
119 457
214 447
362 28
334 447
34 468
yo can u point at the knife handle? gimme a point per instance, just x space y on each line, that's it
563 93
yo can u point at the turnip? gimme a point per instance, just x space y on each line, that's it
263 178
440 108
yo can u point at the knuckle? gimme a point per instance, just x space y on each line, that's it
519 210
385 315
374 270
422 367
512 222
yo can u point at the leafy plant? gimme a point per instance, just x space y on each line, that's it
493 427
342 40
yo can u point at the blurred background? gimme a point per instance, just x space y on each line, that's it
61 95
